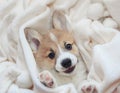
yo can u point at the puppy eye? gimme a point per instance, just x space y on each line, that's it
51 55
68 46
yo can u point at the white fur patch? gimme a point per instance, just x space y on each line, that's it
53 37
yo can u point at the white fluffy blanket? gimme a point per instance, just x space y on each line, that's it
95 24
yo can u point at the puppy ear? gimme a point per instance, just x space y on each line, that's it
33 38
60 21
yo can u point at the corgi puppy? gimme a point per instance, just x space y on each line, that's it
56 54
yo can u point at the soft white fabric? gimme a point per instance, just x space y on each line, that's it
113 8
18 72
106 59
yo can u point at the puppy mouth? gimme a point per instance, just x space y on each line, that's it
69 70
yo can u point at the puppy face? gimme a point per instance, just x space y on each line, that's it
56 50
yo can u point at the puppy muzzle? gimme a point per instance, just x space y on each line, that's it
66 63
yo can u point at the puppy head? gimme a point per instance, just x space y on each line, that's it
56 49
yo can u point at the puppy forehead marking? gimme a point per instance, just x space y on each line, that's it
53 37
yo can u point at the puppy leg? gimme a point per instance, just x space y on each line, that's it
47 79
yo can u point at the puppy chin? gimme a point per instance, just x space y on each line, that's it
68 72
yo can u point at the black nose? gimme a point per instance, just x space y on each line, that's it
66 63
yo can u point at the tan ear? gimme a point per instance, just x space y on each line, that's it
60 21
33 38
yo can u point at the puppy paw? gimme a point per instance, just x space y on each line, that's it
89 89
47 79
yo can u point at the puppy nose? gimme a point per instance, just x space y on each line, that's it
66 63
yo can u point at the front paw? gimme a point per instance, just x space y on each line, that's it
89 87
47 79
